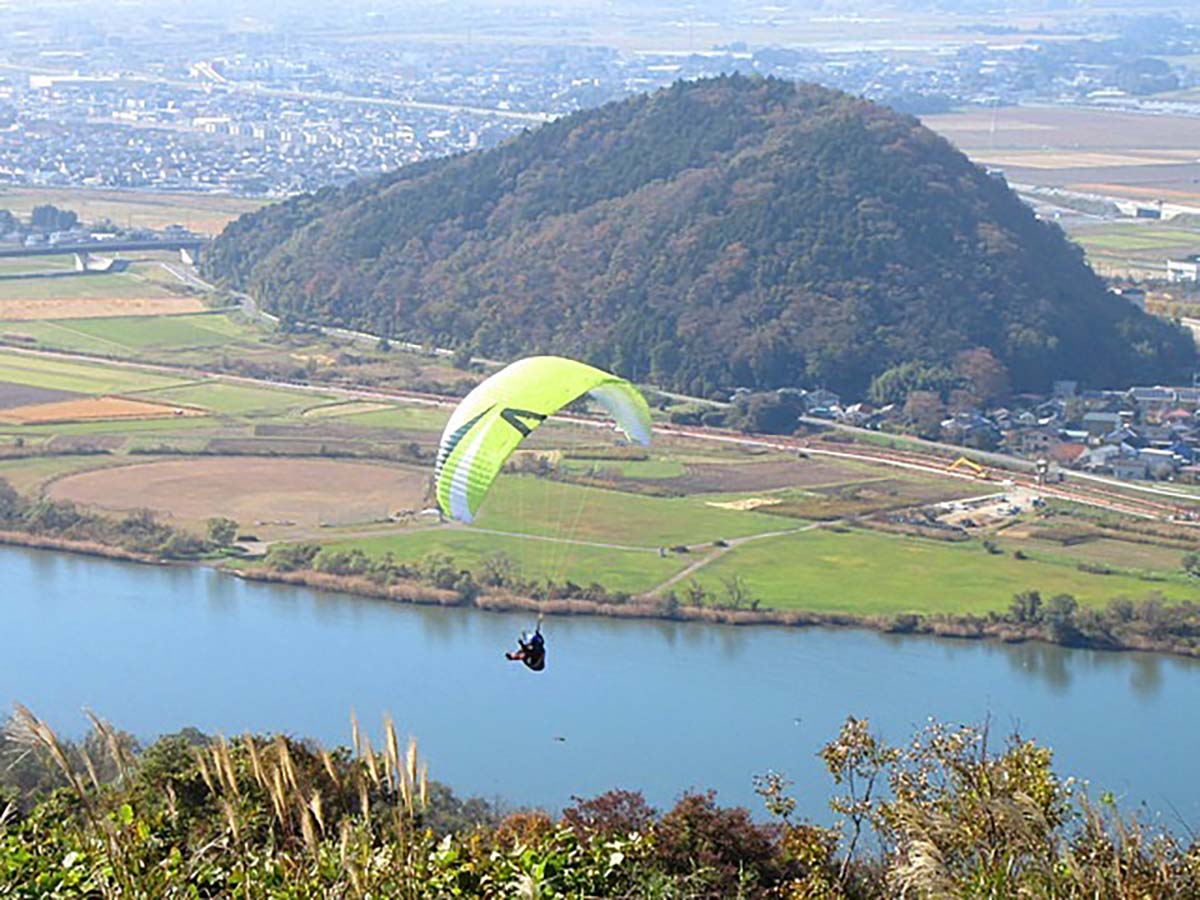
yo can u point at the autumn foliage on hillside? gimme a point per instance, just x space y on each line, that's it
726 232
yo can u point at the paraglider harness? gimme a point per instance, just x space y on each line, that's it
533 649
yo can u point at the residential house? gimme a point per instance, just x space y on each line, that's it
1098 424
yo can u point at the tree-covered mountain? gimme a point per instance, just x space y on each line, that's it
734 231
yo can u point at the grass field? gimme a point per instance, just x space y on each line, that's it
203 213
239 399
653 469
409 418
83 378
1128 237
147 428
540 506
95 286
133 333
1105 551
617 570
871 573
18 266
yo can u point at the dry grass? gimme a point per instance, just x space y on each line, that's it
231 772
22 310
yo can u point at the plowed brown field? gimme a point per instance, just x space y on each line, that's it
91 409
272 496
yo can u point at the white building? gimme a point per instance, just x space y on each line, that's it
1186 269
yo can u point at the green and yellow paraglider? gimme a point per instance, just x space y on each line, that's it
502 411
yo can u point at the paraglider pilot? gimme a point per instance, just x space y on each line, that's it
533 650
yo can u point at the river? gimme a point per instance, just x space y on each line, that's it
653 706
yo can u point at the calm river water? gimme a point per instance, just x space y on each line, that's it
658 707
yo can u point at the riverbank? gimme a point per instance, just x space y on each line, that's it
1047 623
84 548
1149 625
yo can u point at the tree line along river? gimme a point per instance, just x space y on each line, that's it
653 706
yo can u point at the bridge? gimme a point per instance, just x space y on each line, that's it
188 248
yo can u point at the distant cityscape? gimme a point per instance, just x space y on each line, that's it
212 106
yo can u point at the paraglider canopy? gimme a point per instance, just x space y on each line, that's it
502 411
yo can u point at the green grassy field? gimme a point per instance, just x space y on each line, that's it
412 418
1113 553
871 573
1128 238
166 426
540 506
132 333
617 570
25 265
238 399
84 378
94 286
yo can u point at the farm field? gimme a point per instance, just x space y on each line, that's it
1100 151
617 510
78 377
1134 248
94 286
84 409
203 213
269 495
153 325
29 475
238 399
1131 237
882 574
40 318
544 507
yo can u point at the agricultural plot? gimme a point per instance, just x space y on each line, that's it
524 504
238 399
203 213
871 573
78 377
21 266
19 315
342 408
1124 237
401 418
273 496
30 474
145 331
14 396
634 571
95 286
89 409
1098 151
157 430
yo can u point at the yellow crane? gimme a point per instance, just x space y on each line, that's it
970 465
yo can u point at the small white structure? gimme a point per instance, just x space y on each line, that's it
1186 269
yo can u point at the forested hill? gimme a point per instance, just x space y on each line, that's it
726 232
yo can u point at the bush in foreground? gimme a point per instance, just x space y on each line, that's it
194 816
